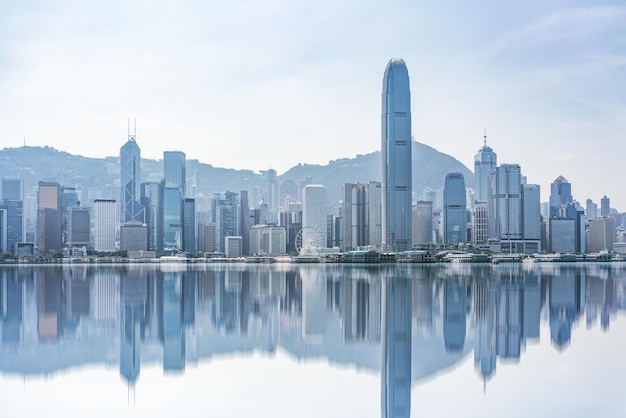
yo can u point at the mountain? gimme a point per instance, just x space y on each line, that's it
45 163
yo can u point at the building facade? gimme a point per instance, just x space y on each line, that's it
454 209
314 210
104 222
484 161
396 158
130 179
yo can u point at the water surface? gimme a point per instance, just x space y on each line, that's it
242 340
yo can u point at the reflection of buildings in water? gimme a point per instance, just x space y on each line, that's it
173 322
206 312
423 306
600 295
485 294
227 301
49 290
360 309
11 307
104 297
565 302
133 293
314 304
455 307
396 347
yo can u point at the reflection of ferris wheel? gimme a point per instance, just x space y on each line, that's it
309 242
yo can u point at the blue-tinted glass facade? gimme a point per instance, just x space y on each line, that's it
175 169
454 209
484 161
172 219
189 226
130 177
396 157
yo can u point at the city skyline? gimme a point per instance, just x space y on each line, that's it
544 80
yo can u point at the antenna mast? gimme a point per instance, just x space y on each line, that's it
134 135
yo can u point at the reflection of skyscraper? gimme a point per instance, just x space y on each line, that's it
134 293
173 329
565 292
11 294
454 315
50 282
313 305
396 347
510 320
355 309
485 306
396 157
104 296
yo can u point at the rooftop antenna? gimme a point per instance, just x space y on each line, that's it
24 140
485 137
134 135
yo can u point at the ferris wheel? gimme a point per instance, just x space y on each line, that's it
309 242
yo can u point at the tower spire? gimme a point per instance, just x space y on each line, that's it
134 135
485 138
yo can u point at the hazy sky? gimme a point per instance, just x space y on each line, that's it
269 84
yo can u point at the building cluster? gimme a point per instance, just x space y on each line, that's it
166 216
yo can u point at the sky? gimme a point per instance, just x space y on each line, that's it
252 84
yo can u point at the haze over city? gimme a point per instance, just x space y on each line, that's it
263 85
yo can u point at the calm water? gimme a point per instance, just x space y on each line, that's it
314 341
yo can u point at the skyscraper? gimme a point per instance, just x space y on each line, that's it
423 222
605 206
104 225
355 227
13 200
505 202
484 161
374 221
314 209
175 169
48 217
560 194
396 157
172 219
189 225
454 209
152 201
130 179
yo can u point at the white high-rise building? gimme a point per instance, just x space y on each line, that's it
314 208
104 220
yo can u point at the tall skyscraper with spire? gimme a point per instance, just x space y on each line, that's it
130 179
396 158
484 161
